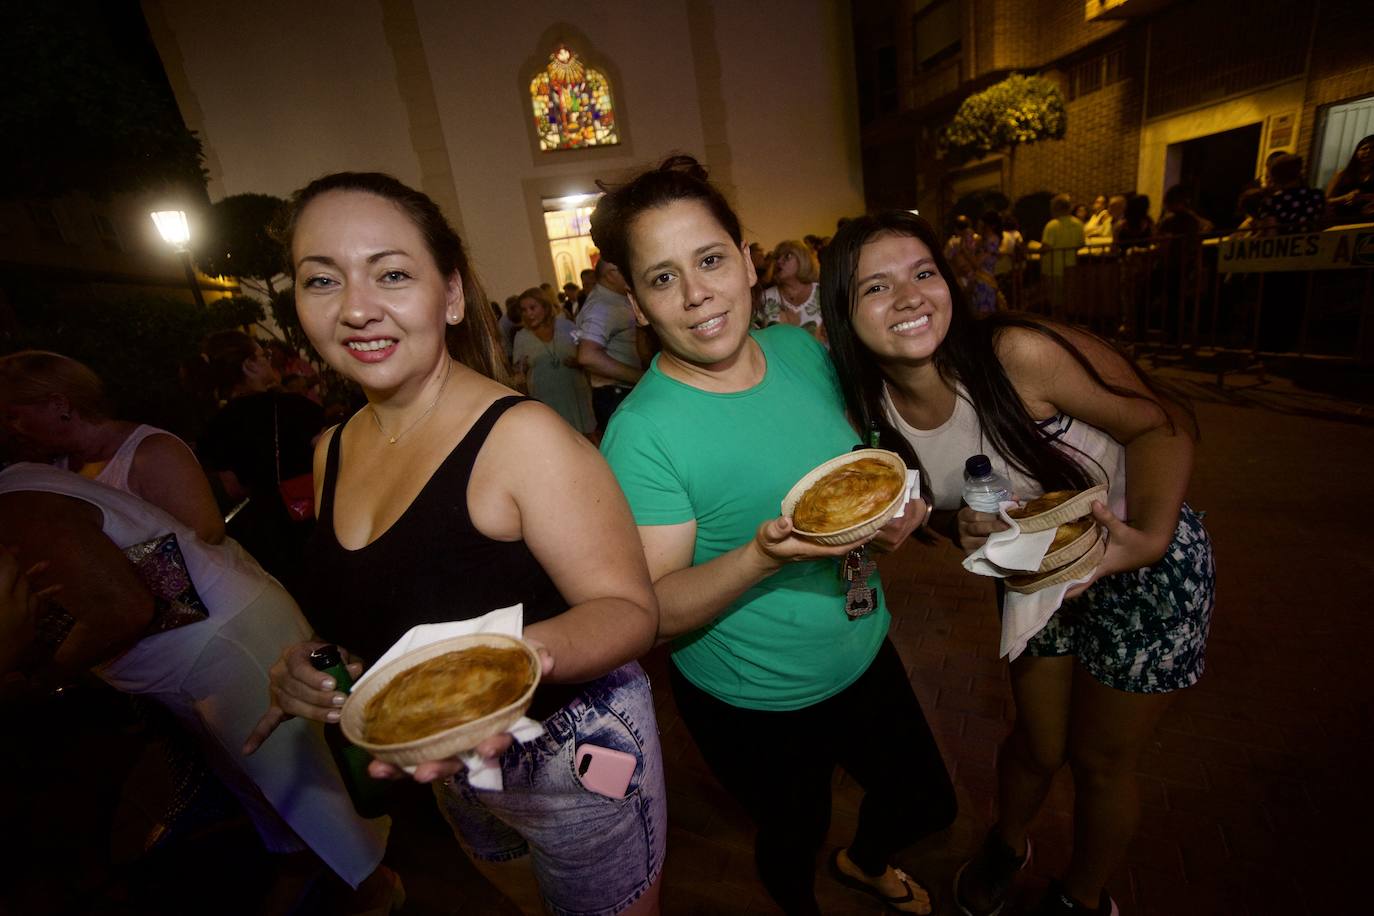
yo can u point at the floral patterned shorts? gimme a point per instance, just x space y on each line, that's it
1143 631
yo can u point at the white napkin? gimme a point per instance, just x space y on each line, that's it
1006 553
913 485
507 620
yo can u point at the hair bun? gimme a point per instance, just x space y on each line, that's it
686 165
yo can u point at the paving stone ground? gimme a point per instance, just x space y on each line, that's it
1255 791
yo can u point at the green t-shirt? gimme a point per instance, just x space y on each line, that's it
727 461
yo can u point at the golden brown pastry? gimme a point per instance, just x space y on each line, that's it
847 496
1042 503
449 690
1067 533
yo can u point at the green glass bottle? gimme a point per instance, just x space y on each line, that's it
369 795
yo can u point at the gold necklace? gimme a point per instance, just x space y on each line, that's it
392 440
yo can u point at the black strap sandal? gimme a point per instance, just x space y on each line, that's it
894 902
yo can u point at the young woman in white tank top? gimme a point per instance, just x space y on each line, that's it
1054 408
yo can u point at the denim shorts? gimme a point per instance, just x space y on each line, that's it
591 854
1143 631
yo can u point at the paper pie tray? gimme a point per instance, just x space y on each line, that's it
1070 551
450 741
1075 570
868 526
1077 507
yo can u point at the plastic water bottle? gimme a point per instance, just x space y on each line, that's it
984 488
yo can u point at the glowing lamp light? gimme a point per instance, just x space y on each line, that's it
172 226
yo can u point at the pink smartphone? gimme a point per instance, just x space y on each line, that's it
603 770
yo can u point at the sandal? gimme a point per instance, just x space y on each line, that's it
860 885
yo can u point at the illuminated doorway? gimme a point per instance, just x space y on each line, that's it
568 223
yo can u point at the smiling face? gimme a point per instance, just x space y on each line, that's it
533 313
691 283
902 305
370 297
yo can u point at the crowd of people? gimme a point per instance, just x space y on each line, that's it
470 479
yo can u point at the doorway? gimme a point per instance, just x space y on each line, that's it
568 223
1215 169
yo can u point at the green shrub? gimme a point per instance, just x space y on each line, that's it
1018 110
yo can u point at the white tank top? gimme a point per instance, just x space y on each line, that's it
944 450
115 473
226 578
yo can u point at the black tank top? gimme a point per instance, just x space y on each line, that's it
432 565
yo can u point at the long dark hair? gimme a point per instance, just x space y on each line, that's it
1349 177
967 356
474 341
678 178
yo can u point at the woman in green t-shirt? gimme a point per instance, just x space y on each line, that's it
776 681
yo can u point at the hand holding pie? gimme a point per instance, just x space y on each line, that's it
1078 544
847 498
443 699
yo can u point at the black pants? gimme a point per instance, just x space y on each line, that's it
779 765
604 402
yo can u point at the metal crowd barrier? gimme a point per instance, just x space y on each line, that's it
1304 295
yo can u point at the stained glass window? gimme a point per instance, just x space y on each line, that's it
572 104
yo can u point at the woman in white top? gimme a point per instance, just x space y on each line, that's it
546 354
794 297
57 408
1058 409
209 673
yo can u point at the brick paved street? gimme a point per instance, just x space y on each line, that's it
1252 789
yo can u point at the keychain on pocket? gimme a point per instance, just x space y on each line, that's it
856 567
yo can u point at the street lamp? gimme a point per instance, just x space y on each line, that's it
172 226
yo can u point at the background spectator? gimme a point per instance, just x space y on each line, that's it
259 438
1011 254
1062 238
1292 205
588 278
509 322
983 291
209 673
56 407
1135 228
608 342
794 297
1098 228
547 356
1350 194
1179 217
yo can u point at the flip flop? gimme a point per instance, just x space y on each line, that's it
870 890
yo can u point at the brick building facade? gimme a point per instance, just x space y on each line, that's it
1157 93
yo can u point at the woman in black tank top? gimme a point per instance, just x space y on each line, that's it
449 496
